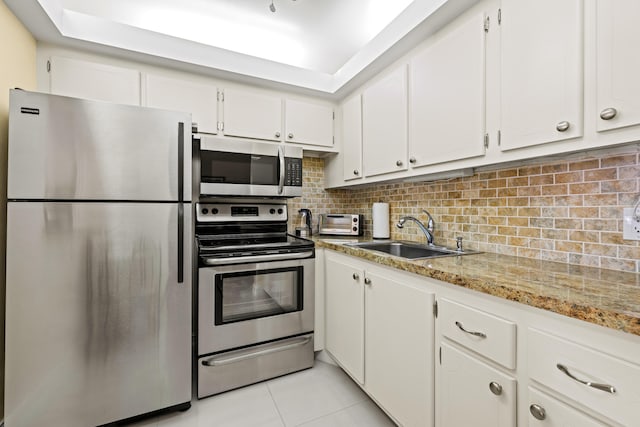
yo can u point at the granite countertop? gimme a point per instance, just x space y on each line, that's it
607 298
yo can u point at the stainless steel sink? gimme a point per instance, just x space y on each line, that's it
409 250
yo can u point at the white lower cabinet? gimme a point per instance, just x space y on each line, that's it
471 393
379 328
545 411
344 305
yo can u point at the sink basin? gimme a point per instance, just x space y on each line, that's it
409 250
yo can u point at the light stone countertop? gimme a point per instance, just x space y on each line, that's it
607 298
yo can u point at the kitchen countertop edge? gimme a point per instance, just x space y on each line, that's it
464 271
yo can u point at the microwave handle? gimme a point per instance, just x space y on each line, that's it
282 171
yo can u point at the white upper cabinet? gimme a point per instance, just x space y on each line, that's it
182 95
447 96
541 72
308 123
384 124
352 138
618 64
91 80
252 114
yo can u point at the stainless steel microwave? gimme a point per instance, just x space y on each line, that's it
249 168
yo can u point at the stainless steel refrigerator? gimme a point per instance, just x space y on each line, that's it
99 243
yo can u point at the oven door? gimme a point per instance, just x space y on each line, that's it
245 304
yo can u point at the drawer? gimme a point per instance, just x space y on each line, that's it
548 355
484 333
545 411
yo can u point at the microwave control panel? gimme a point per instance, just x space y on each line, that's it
293 172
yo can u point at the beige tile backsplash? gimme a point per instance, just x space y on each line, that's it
568 211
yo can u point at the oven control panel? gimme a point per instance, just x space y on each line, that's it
227 212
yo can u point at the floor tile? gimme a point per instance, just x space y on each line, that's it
250 406
314 393
363 414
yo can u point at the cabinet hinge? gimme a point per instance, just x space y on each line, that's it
486 140
440 355
499 137
220 126
499 16
220 96
48 66
435 308
333 115
486 24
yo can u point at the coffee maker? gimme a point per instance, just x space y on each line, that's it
304 226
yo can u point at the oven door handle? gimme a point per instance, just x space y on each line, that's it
282 171
226 360
257 258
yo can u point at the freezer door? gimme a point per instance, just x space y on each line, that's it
98 326
70 149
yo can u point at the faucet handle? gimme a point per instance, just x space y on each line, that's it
431 224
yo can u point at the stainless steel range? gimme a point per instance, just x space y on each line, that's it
255 295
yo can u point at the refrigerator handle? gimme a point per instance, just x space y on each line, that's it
180 202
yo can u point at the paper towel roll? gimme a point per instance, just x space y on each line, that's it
380 215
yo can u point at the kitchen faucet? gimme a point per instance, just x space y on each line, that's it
428 230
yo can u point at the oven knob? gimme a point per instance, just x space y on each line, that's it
214 211
355 228
280 211
355 219
205 211
272 211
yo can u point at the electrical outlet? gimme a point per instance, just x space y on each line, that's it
631 227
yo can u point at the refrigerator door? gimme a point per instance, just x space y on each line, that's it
98 324
64 148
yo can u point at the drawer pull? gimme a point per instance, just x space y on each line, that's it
475 334
602 387
537 412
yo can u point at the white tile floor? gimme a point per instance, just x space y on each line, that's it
323 396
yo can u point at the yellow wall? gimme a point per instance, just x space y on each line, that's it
17 69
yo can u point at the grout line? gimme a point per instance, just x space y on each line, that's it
274 404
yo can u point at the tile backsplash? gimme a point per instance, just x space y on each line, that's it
561 210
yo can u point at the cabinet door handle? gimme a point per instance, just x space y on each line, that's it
598 386
367 281
563 126
474 333
290 136
495 388
356 172
356 276
608 113
413 160
538 412
277 134
399 163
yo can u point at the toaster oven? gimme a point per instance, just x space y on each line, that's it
341 224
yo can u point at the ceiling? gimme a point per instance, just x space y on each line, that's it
319 45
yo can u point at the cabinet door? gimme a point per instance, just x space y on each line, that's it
352 138
180 95
618 63
466 398
384 124
91 80
399 339
447 96
545 411
308 123
542 77
252 114
344 299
